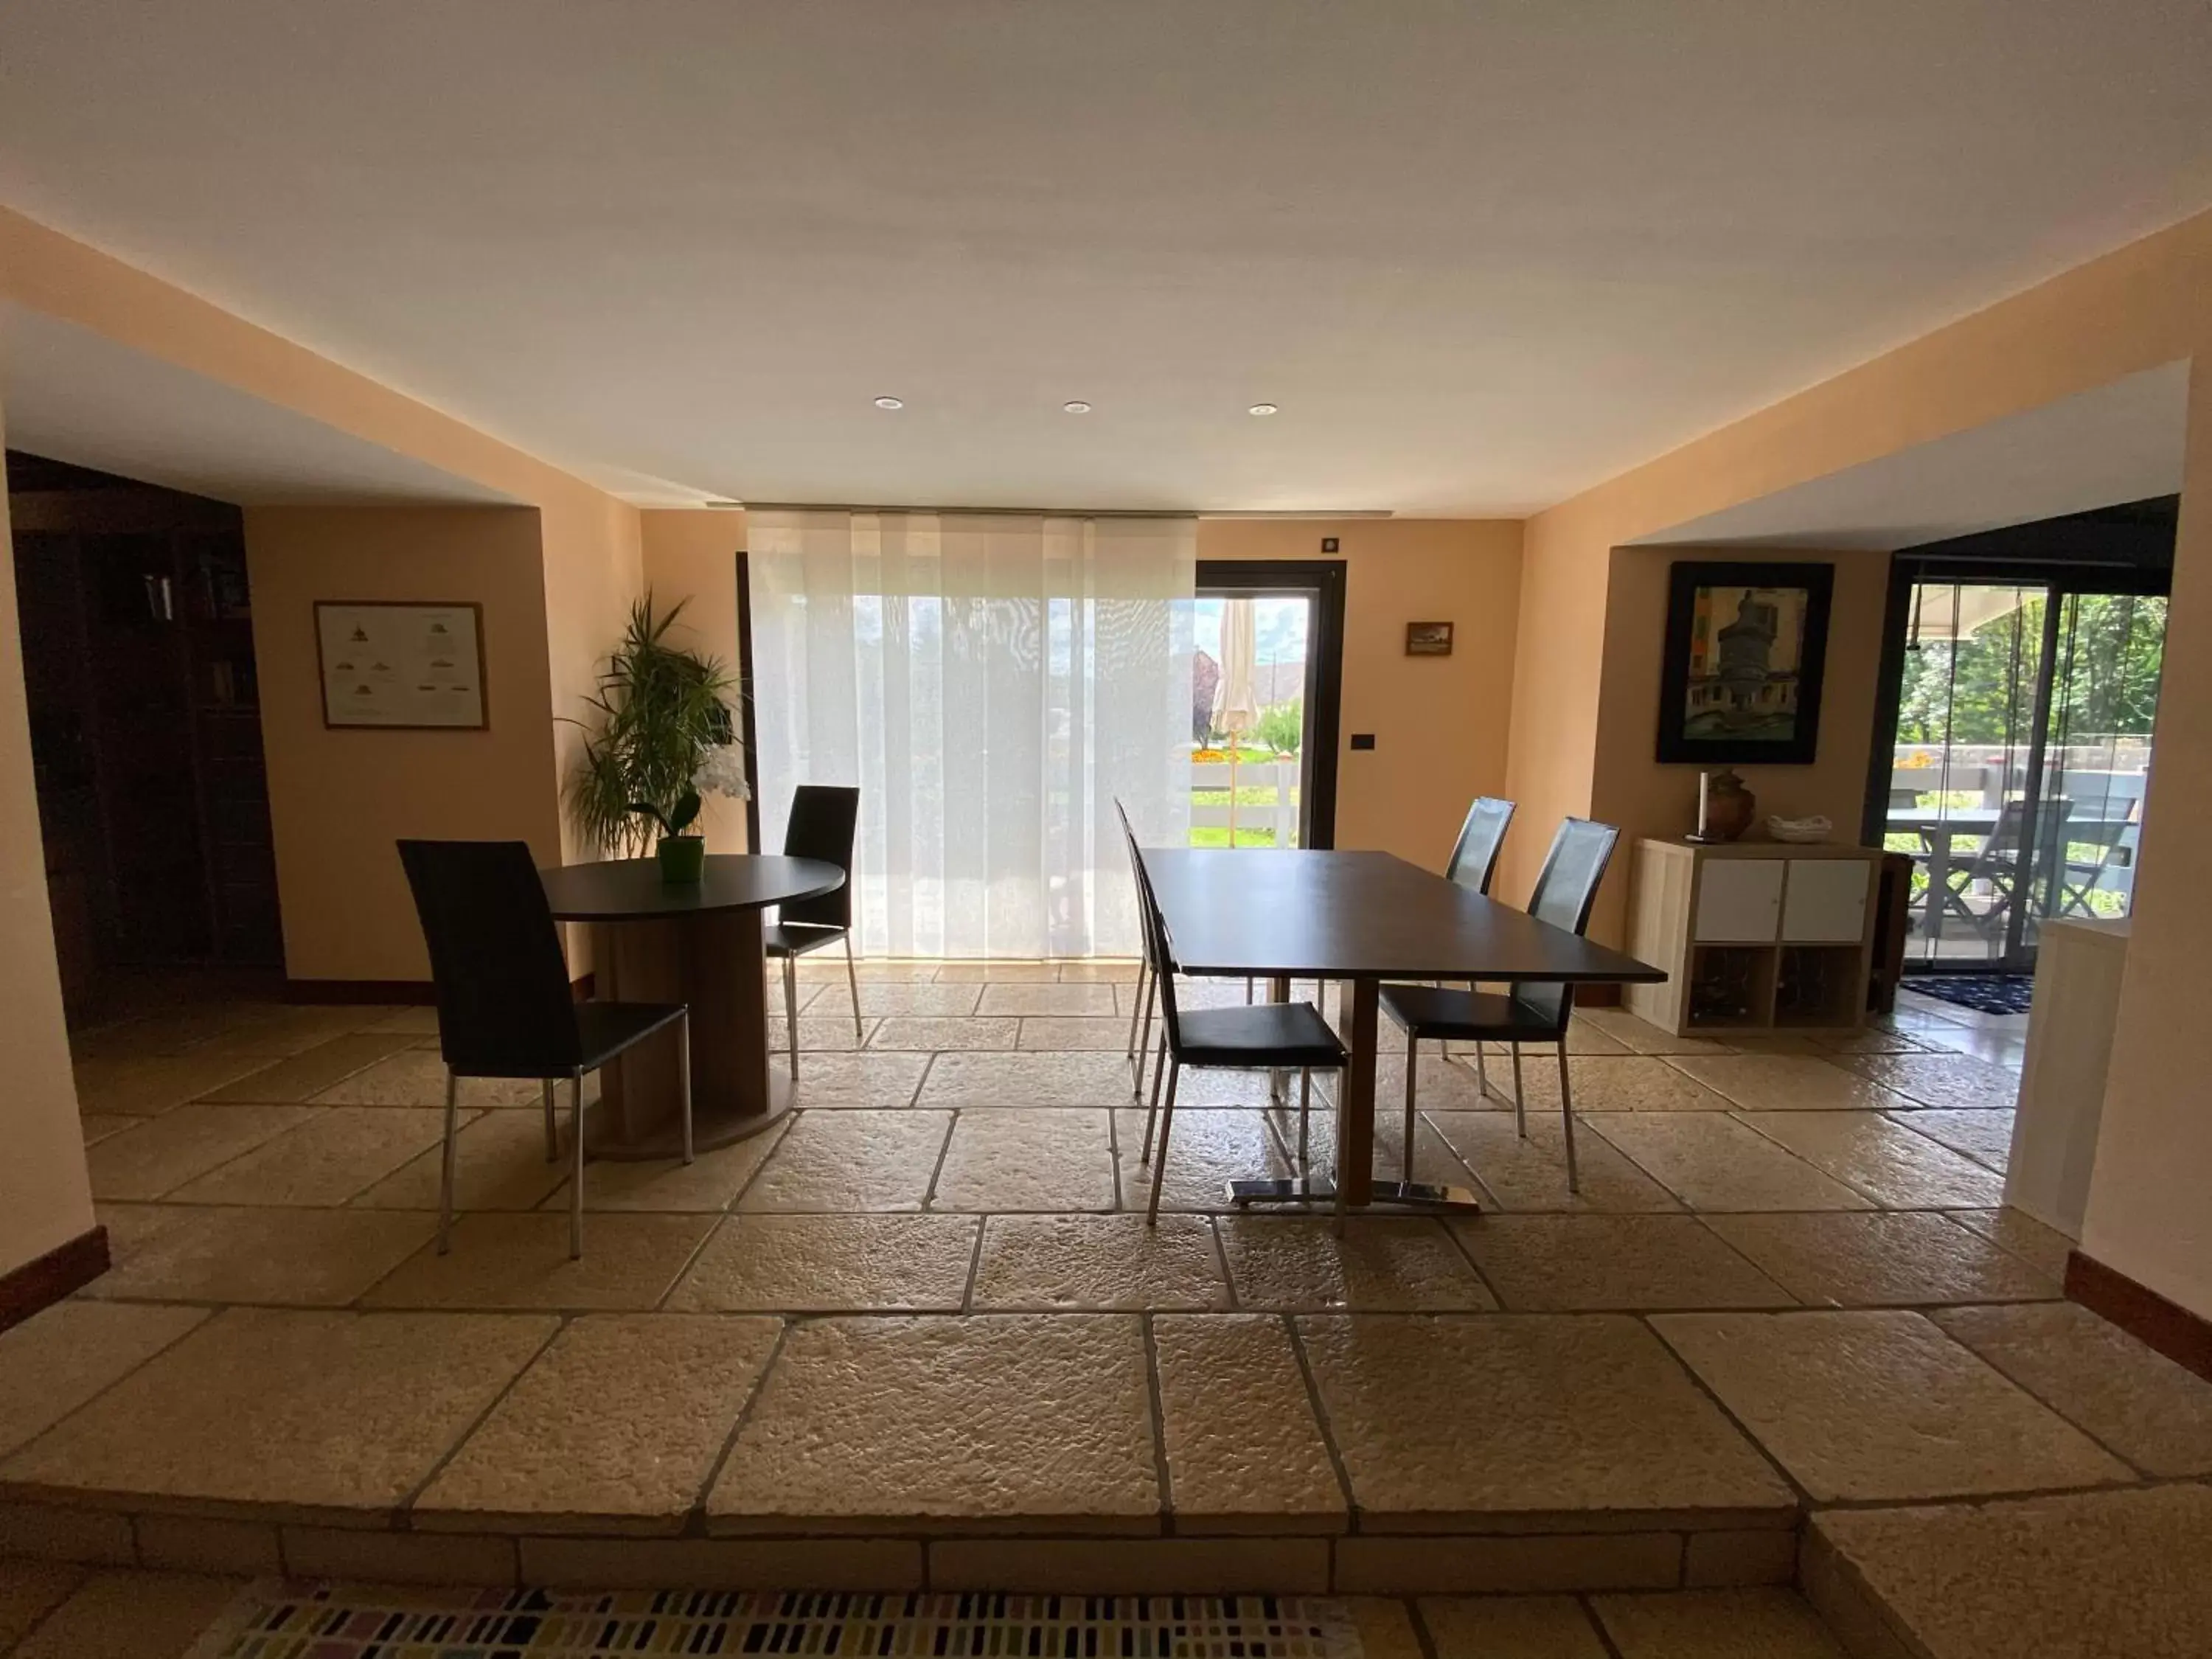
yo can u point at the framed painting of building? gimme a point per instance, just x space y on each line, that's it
1746 646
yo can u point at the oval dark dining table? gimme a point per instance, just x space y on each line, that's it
698 943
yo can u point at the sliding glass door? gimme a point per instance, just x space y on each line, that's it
2107 655
2022 741
1267 673
1250 662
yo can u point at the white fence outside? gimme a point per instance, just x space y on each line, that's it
1280 815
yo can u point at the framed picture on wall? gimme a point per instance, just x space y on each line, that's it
404 666
1746 645
1428 639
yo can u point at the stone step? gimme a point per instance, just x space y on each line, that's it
1593 1551
2104 1575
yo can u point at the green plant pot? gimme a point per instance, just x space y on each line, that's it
682 860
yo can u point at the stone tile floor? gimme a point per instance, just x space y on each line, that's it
924 1310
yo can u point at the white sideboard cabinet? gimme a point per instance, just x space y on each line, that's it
1754 935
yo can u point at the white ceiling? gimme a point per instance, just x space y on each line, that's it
1483 256
72 395
2121 442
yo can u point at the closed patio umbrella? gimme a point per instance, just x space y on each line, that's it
1235 701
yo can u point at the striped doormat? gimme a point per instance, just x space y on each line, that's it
277 1620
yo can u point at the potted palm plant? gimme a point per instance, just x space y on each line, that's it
663 734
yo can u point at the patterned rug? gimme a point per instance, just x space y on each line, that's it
278 1620
1990 993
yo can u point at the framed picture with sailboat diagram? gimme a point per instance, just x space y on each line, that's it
1744 650
401 666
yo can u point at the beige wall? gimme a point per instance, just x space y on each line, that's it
1440 723
2144 304
44 1199
585 555
49 273
1645 797
692 555
1570 738
593 568
2149 1213
1577 732
337 799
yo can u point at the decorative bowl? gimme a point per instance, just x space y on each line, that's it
1804 830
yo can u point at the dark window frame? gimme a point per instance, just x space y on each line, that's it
1323 582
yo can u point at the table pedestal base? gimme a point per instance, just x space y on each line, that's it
712 961
1321 1190
712 1125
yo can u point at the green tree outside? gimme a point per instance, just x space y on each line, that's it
1282 728
1981 690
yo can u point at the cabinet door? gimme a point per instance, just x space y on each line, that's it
1739 901
1826 901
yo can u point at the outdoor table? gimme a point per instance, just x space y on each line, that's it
1937 826
698 943
1357 918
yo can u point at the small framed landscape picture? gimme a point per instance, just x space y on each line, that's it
1746 644
1429 639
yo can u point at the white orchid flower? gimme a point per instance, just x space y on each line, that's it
722 771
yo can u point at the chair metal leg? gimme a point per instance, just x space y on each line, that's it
1305 1110
1145 1031
1279 990
1135 1008
852 979
1167 1122
1412 1053
1567 1107
445 1175
576 1173
1152 1112
552 1124
791 1010
1520 1105
1482 1077
683 1076
1336 1226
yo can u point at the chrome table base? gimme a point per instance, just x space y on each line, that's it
1320 1190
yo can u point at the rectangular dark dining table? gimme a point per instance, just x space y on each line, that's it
1357 918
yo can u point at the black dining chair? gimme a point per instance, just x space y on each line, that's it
1473 858
1139 1036
505 1009
823 817
1473 862
1140 1011
1259 1036
1565 888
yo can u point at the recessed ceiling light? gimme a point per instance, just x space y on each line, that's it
1075 406
890 403
1263 408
